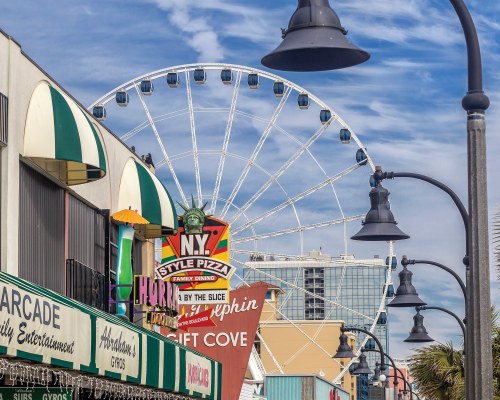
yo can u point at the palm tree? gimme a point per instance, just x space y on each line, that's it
438 372
496 240
495 343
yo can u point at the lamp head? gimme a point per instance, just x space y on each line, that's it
418 333
353 367
314 41
379 223
344 350
406 294
363 368
376 374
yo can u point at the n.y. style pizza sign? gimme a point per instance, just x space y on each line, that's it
196 259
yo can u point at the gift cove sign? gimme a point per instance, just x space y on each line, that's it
41 326
224 332
196 259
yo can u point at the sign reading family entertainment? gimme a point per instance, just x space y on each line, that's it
196 259
41 326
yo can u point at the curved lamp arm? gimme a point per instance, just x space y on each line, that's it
462 325
396 369
352 329
405 261
379 175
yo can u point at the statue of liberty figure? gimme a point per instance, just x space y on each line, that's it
193 218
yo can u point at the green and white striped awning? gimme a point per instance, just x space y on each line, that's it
60 138
143 192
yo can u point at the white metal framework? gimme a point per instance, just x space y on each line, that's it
273 170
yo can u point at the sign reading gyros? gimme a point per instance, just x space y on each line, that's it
38 325
117 349
196 259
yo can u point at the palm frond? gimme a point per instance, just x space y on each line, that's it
496 240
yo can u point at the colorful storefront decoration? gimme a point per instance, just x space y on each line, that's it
39 325
124 269
143 192
60 138
197 258
128 220
225 332
162 296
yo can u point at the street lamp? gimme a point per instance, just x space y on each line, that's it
379 223
405 262
406 295
342 352
362 368
315 41
396 370
418 333
414 334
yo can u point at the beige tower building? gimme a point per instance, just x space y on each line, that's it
301 347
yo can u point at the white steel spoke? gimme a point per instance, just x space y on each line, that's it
144 124
283 168
256 361
193 137
158 138
275 361
226 142
300 289
257 149
298 229
295 199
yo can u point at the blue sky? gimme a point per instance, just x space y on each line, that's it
404 103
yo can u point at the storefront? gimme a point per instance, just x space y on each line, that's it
78 347
63 175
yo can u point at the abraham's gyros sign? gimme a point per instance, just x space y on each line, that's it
38 325
196 259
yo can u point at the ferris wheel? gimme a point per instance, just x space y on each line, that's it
268 157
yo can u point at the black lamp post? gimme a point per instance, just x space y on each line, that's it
315 41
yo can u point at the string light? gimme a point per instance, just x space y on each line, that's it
101 388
